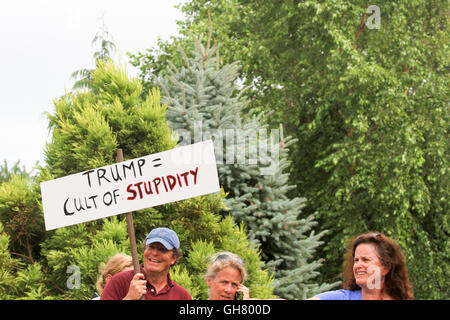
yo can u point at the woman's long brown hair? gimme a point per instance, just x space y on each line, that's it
396 281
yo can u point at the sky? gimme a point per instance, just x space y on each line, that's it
42 42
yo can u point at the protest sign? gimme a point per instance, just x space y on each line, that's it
156 179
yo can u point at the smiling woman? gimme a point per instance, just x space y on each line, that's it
374 269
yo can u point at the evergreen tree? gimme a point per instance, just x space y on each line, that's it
364 88
21 216
106 47
17 279
6 172
87 127
8 265
204 102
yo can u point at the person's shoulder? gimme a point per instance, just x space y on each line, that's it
121 278
117 286
181 291
340 295
179 287
124 275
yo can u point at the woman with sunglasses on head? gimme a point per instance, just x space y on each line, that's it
374 269
225 275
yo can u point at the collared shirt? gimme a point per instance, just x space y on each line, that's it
118 286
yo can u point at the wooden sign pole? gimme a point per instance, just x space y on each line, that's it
130 226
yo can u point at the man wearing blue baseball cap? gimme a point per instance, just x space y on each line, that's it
161 251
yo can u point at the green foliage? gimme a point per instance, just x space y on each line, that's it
370 132
87 127
75 249
8 266
7 173
20 213
203 102
369 108
31 285
18 280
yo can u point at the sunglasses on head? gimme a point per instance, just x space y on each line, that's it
374 234
226 257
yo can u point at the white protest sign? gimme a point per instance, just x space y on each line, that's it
156 179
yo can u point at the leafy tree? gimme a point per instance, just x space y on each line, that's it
369 107
20 214
18 280
8 265
68 259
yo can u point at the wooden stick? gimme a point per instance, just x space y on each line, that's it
361 26
130 226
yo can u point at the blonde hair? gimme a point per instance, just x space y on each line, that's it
116 264
225 259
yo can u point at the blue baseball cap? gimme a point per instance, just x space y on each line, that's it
168 238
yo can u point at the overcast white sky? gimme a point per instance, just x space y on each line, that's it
43 41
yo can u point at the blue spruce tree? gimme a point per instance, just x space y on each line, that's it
204 102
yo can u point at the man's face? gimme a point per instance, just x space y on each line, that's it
157 259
